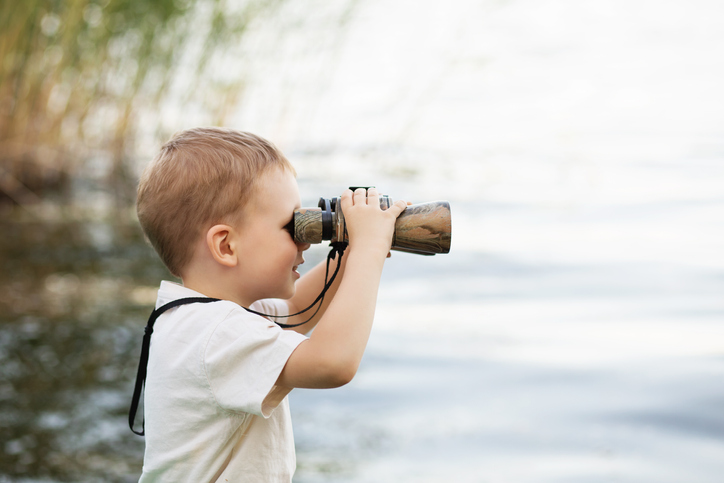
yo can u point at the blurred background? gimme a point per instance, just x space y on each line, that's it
575 332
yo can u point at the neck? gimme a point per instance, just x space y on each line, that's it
213 281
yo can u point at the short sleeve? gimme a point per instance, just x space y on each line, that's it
244 356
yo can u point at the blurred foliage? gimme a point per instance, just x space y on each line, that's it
74 74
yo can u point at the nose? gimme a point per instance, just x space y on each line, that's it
302 246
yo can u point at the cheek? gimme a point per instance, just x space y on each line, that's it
287 251
293 253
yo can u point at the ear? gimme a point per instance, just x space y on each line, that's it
220 241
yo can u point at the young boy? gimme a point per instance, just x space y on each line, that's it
215 204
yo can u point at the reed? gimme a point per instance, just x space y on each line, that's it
75 73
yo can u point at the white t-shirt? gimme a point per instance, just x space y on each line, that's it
212 410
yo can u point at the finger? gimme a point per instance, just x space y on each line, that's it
360 196
398 207
346 198
373 197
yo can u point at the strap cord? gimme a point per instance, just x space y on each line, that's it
145 348
337 248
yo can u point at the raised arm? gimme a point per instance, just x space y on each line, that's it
331 356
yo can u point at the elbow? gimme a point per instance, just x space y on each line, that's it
340 372
345 376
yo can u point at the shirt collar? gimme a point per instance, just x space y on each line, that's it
170 291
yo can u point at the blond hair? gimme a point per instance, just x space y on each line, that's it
201 177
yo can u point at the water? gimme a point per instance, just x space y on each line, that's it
71 323
578 351
575 333
483 366
576 330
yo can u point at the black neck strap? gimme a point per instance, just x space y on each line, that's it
145 347
337 248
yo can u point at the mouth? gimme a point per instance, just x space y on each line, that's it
295 268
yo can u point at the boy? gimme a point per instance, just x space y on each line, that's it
216 204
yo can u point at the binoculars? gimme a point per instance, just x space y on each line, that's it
422 229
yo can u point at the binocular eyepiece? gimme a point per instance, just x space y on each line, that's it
422 229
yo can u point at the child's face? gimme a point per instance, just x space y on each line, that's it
269 257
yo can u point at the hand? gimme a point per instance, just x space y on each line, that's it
368 225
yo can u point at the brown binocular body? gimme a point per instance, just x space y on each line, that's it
423 229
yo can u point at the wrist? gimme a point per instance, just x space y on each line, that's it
369 251
365 256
